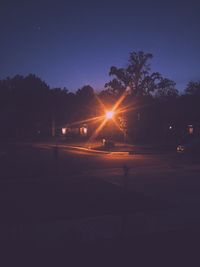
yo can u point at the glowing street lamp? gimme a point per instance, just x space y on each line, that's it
109 114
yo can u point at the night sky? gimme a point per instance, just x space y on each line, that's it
74 43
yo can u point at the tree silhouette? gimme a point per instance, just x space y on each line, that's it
26 104
136 75
193 88
84 102
166 88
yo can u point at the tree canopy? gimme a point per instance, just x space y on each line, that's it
193 88
139 79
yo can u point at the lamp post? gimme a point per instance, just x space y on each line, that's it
109 114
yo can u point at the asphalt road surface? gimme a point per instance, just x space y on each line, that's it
73 194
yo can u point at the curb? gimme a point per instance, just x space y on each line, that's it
82 148
94 150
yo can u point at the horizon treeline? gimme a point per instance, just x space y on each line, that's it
153 104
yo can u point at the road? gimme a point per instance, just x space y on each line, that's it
158 175
82 190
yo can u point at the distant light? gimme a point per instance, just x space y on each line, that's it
170 127
109 114
191 129
83 131
64 130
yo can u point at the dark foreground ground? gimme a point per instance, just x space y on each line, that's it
72 206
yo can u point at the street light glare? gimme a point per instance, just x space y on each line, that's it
109 114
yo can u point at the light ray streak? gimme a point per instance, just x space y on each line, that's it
125 109
115 111
128 108
88 120
100 102
119 101
93 136
117 125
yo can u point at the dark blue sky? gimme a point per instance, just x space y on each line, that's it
73 43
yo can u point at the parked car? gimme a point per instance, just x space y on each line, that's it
192 146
